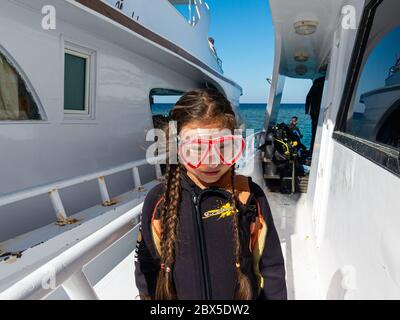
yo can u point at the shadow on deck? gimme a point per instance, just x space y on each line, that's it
283 208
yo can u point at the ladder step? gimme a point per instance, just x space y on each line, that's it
271 177
303 184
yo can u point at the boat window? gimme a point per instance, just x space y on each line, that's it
16 101
77 82
389 130
161 102
374 108
187 9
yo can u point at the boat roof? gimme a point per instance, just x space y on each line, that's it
312 50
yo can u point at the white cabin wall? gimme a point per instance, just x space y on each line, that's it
342 42
35 153
361 228
352 202
333 88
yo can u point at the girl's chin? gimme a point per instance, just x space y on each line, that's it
211 173
210 179
210 176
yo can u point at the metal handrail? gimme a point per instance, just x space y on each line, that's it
52 188
66 268
257 138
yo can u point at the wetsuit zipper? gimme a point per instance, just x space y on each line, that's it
203 255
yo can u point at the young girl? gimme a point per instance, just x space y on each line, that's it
207 233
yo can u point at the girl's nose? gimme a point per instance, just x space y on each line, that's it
213 164
213 159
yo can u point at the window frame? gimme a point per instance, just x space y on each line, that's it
379 153
29 87
90 56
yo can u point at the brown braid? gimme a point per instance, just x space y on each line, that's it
169 223
244 289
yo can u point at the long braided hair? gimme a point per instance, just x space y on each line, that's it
207 105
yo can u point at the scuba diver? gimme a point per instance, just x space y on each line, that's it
293 126
296 132
288 154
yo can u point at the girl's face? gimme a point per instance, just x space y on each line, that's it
211 170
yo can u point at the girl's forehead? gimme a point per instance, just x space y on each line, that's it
204 132
205 128
216 124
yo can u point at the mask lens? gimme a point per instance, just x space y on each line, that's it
231 148
193 152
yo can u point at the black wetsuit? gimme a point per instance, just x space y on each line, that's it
313 106
297 133
204 266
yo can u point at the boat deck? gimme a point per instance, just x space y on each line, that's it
301 275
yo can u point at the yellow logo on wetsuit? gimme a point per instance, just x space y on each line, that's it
223 211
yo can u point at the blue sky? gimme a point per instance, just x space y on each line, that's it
244 40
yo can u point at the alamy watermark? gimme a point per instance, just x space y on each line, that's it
49 278
49 20
349 18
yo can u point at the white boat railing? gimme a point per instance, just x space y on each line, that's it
53 188
258 138
67 268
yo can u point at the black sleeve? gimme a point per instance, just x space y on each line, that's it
147 263
307 105
271 264
300 135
